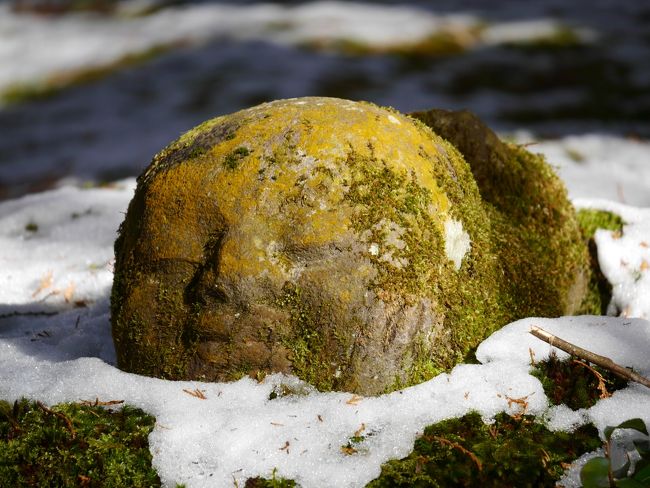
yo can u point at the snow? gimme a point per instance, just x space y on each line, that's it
530 31
600 166
56 259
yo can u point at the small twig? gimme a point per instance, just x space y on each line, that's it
354 400
26 314
602 361
196 393
97 402
460 448
522 402
68 422
601 381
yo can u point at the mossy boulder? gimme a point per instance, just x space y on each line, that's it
344 243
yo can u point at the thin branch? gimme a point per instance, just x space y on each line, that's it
26 314
460 448
62 416
601 361
601 381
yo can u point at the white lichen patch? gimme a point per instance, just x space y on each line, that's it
394 120
392 243
397 262
272 252
374 249
457 242
393 234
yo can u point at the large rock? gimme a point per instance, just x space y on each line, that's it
342 242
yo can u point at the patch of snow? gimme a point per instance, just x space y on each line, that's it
601 166
394 120
524 31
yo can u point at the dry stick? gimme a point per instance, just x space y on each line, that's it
457 446
62 416
602 361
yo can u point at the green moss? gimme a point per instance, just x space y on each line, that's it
305 340
600 290
591 220
273 482
387 195
31 227
533 229
573 384
231 161
74 445
466 452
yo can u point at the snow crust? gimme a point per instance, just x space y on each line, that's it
601 166
63 267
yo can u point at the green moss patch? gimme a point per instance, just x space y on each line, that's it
591 220
599 293
467 452
575 383
273 482
74 445
232 160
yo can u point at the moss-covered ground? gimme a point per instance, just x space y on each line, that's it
575 383
74 445
512 451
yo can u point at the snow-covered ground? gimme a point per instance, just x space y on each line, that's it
55 345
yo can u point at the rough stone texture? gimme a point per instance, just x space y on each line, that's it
342 242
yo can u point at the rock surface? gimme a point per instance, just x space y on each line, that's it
342 242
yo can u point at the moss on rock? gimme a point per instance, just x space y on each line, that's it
599 292
345 243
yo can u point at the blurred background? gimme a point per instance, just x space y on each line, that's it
91 89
